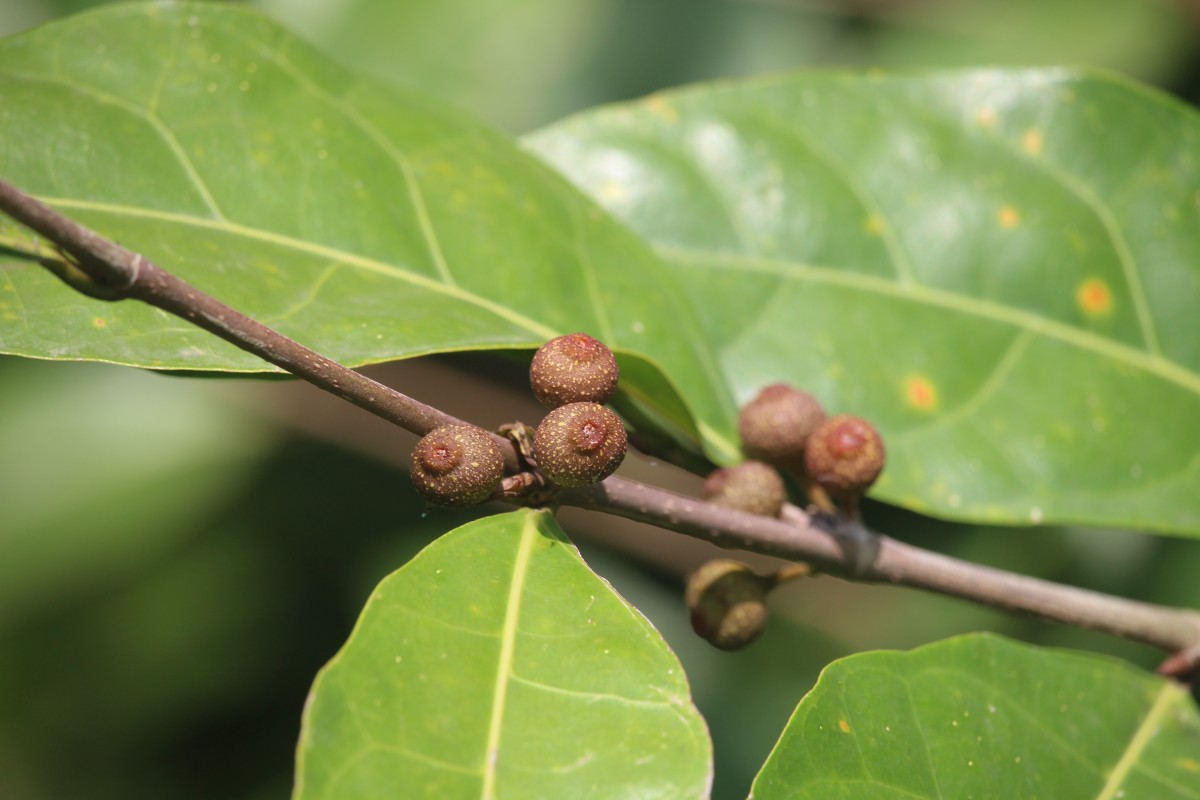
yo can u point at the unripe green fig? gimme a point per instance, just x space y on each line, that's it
457 465
573 369
579 444
776 424
844 456
728 603
751 486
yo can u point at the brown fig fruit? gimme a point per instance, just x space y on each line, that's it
579 444
751 486
573 369
776 424
728 603
457 465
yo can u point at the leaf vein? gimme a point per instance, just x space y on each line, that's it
1020 318
150 118
283 240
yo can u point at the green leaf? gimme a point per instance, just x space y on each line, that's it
982 716
1000 268
366 222
496 664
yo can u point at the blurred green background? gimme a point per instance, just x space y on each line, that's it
178 557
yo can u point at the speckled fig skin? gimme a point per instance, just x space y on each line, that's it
844 456
579 444
727 602
457 465
776 424
573 369
752 486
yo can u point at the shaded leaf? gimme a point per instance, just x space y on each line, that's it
1000 268
367 222
982 716
496 664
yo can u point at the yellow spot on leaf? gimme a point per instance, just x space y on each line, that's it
99 322
874 225
985 116
1094 297
660 108
1031 142
844 726
612 190
920 394
1189 764
1009 217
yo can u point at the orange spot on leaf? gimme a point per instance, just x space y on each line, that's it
99 322
844 726
1094 297
1032 142
920 394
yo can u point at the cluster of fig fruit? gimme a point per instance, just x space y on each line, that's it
581 442
578 443
836 459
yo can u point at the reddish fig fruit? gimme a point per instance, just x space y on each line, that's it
844 456
573 369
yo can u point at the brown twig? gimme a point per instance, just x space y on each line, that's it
852 552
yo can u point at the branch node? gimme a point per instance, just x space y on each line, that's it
858 544
70 270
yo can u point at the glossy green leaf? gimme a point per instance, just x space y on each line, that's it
496 664
1000 268
982 716
367 222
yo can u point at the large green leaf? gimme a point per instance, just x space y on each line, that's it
496 664
982 716
366 222
1001 268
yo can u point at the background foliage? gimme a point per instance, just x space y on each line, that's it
163 625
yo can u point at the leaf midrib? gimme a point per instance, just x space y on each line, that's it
1137 745
508 638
